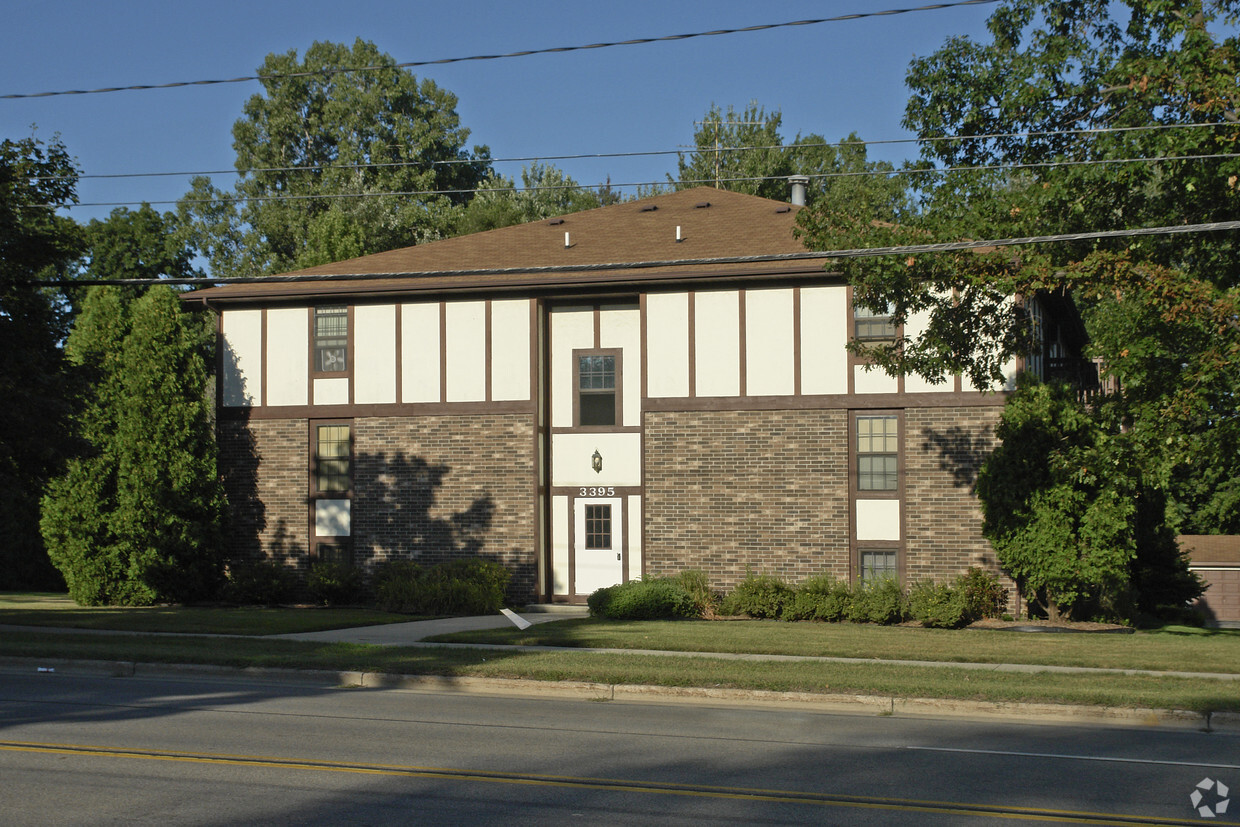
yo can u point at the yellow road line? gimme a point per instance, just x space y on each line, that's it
602 784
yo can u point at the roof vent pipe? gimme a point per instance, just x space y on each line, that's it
799 183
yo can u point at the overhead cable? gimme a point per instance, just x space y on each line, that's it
703 181
648 153
523 53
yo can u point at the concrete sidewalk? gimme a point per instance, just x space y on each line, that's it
404 634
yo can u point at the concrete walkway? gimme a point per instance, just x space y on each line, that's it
404 634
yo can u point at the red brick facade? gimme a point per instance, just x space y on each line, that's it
763 489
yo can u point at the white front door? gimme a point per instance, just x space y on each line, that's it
598 544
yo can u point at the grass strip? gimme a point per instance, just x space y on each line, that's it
1174 649
888 680
27 609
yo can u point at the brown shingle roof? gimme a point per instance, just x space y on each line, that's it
713 224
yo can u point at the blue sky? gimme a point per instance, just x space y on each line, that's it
829 78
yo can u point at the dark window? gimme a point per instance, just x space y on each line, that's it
596 385
872 326
333 553
878 447
331 339
878 565
332 454
598 526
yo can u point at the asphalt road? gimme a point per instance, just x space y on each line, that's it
81 750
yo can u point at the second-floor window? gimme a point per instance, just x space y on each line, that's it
331 339
873 326
596 389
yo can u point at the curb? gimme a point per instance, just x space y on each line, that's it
876 705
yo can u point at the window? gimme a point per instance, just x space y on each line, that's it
596 388
332 455
872 326
877 565
598 526
335 553
878 447
331 339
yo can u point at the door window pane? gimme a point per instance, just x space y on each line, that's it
598 526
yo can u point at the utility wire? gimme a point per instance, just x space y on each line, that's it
703 181
649 153
524 53
865 252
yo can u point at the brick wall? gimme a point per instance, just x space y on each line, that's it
730 489
433 488
424 488
943 450
266 475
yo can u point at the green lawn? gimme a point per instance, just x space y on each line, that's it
1174 649
882 679
41 609
1171 649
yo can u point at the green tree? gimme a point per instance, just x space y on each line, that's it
1061 520
1073 118
136 244
335 163
136 519
35 245
546 192
745 152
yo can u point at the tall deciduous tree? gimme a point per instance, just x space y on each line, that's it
136 518
35 244
342 154
1074 118
745 152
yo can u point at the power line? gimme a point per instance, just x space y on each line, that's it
523 53
863 252
747 179
646 153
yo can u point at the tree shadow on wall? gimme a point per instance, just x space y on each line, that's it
961 451
394 517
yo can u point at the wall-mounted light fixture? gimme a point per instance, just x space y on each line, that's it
596 462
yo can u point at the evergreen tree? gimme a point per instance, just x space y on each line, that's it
137 520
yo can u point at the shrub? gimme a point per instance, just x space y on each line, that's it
821 597
456 587
661 597
938 606
981 593
333 583
262 583
882 601
697 586
758 595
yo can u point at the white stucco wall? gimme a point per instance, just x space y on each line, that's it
667 345
242 357
717 343
769 366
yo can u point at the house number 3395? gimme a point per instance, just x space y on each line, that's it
597 492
